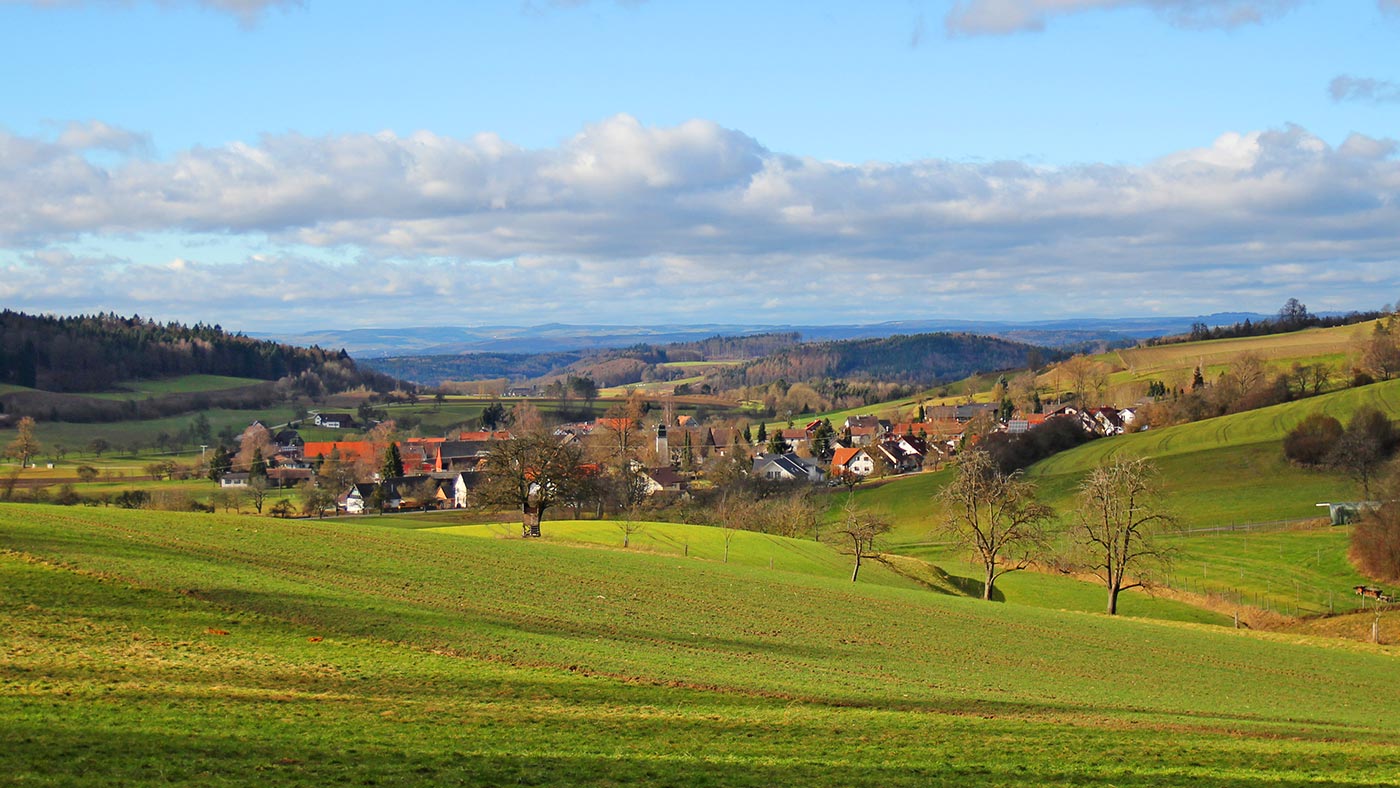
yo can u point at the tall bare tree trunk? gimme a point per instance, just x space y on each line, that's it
990 584
1113 600
530 521
856 571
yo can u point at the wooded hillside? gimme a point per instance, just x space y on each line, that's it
918 359
92 352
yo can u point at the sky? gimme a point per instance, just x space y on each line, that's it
285 165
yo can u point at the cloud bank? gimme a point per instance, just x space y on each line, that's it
688 223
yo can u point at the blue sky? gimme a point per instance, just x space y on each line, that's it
281 165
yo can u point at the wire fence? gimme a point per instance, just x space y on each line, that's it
1299 589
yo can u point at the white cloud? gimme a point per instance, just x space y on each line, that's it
997 17
627 219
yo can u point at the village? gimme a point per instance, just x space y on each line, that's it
660 459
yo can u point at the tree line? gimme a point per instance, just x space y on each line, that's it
88 353
1292 316
61 358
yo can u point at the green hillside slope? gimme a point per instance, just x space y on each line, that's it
222 650
1256 426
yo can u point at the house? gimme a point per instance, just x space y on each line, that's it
904 455
485 435
289 442
348 451
857 461
786 467
288 477
721 441
234 479
864 436
357 498
663 479
971 410
399 492
1025 423
795 436
454 488
469 456
520 391
334 421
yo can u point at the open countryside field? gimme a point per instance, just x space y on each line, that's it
1301 571
746 548
1313 344
1174 364
1257 426
186 384
75 437
218 650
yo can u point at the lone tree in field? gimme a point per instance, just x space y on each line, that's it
532 473
1119 522
857 534
995 515
1368 442
25 445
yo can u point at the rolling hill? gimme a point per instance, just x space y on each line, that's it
206 650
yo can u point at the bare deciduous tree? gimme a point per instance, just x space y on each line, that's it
995 515
25 445
1120 519
628 525
857 534
257 492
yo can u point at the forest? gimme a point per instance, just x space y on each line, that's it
62 357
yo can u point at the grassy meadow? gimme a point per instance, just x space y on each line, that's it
195 649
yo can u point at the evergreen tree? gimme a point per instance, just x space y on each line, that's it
221 463
201 430
748 435
777 445
762 432
393 462
257 469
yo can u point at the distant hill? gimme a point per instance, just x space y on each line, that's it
560 337
606 366
918 359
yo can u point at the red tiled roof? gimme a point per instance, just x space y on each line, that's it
483 435
349 450
843 457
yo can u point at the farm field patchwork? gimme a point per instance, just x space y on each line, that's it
209 650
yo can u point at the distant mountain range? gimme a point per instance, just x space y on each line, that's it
560 337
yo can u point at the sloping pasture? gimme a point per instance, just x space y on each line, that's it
201 650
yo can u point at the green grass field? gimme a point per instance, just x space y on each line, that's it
211 650
1292 572
1173 364
706 543
185 384
76 436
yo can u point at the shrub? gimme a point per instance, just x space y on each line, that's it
132 499
1375 539
1312 440
67 496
